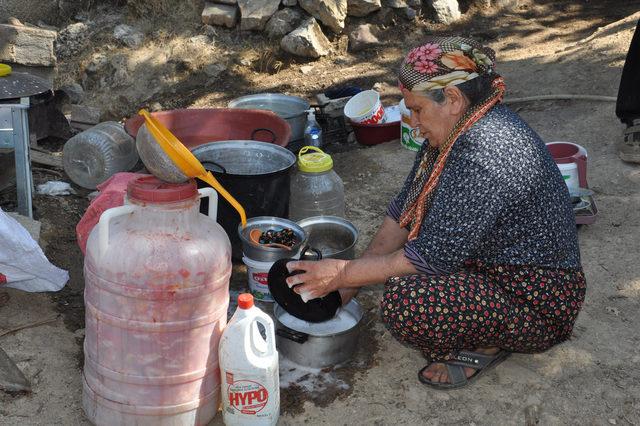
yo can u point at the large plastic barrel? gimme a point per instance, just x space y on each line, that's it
156 294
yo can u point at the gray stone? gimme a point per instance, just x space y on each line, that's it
506 4
416 4
72 40
410 13
200 39
85 114
289 3
447 11
209 31
11 378
331 13
74 92
283 22
362 38
233 2
27 45
395 4
307 40
362 7
254 14
127 35
214 70
220 14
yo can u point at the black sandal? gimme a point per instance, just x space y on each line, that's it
455 368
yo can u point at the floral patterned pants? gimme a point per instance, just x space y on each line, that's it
516 308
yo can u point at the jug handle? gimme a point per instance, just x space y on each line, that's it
268 325
213 201
103 224
582 169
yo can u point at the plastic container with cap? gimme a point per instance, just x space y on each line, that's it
249 367
316 189
156 297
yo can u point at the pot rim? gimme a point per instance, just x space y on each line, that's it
275 221
237 144
309 221
243 100
278 310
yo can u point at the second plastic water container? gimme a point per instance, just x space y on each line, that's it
316 189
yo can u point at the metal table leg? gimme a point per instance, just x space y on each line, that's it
14 133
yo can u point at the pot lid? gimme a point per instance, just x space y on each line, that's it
21 85
315 310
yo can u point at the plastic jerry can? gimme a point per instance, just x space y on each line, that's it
156 296
249 367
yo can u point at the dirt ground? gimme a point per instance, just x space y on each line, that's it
546 47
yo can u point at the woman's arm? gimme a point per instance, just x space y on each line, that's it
383 258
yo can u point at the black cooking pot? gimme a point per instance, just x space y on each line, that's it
257 174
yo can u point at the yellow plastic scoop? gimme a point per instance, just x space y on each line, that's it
186 161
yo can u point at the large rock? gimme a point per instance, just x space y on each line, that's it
362 7
447 11
331 13
27 45
72 40
127 35
220 14
307 40
254 14
362 38
283 22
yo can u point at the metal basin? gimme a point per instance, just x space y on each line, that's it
334 236
318 350
290 108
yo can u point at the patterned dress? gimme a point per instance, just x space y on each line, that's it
497 251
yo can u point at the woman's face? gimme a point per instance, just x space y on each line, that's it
434 120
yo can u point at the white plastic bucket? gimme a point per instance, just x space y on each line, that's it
257 274
570 175
365 108
409 136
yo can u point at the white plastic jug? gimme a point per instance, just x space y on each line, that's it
249 367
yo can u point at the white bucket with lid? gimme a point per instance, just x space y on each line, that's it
365 108
409 136
257 278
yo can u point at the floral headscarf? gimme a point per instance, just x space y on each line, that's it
442 62
445 61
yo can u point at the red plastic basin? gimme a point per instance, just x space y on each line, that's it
194 127
374 134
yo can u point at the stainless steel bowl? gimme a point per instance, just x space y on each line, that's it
334 236
270 254
290 108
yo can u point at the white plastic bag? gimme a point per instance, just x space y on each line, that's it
23 265
55 187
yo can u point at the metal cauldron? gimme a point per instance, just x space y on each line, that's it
290 108
270 254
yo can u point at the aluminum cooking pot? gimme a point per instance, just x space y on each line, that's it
290 108
318 349
334 236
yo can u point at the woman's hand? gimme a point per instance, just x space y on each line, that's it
319 277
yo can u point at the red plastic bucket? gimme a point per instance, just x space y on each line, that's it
567 153
194 127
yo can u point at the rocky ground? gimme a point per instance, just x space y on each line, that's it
543 47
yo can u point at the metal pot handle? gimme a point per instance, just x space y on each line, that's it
219 166
305 249
261 129
294 336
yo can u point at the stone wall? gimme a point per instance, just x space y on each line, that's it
305 26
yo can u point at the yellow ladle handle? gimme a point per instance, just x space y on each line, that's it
208 178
